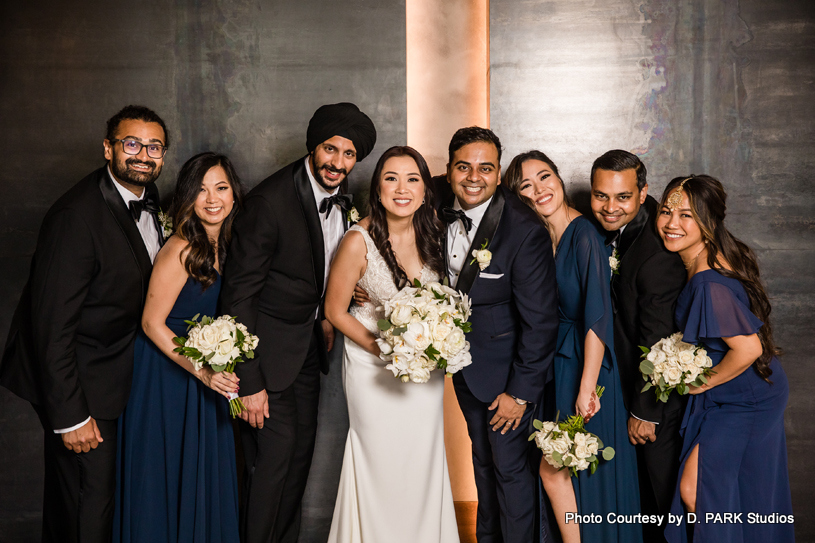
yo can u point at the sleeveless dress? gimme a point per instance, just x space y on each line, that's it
176 478
739 427
394 484
584 303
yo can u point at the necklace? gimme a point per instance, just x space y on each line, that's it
689 263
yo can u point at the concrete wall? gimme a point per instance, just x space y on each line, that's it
241 77
693 86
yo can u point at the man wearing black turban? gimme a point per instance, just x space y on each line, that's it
274 282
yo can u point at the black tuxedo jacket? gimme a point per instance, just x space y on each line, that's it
273 278
70 346
644 296
514 300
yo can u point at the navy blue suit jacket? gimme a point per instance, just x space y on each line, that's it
514 300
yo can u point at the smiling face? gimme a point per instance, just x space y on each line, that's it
615 198
135 171
474 173
679 230
215 201
542 186
401 188
332 161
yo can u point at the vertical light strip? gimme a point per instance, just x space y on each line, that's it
447 89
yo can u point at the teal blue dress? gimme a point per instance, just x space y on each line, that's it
584 303
176 478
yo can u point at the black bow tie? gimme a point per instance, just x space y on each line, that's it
148 204
450 215
345 201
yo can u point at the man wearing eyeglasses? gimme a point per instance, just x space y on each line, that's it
70 346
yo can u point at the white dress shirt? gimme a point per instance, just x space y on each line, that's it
459 240
149 234
333 227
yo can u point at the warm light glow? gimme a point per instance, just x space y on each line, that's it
447 89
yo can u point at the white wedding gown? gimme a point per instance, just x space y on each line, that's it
394 485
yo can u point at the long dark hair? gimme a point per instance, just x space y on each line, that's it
515 175
707 200
200 261
426 227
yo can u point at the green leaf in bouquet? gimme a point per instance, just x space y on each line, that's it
646 367
702 378
532 437
567 461
608 453
662 383
557 457
645 350
592 467
682 389
599 441
537 424
250 354
431 352
180 341
647 386
446 281
217 368
398 331
663 396
383 324
239 336
209 356
599 391
441 363
417 283
591 460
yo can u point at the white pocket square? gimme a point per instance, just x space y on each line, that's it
491 275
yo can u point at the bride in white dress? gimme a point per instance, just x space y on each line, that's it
394 485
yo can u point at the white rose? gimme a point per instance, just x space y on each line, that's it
401 315
454 342
441 331
580 439
208 339
419 374
581 451
582 464
669 348
462 359
592 445
673 376
483 257
685 357
702 360
417 336
562 444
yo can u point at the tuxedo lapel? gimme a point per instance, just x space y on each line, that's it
124 219
305 194
153 190
484 234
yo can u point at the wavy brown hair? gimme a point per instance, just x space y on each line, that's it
201 258
426 226
707 199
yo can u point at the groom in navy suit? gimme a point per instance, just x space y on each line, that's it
514 319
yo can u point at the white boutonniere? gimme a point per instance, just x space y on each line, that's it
614 262
483 256
166 223
352 216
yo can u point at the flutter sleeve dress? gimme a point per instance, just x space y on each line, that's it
743 492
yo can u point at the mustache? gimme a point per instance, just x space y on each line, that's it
335 170
132 161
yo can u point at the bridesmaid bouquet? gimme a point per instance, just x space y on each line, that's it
220 344
671 364
424 329
567 444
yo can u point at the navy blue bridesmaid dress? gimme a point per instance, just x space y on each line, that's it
176 476
738 425
584 303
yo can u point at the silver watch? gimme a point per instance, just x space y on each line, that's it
518 400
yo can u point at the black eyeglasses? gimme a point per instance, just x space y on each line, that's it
133 147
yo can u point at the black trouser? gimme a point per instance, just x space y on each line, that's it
658 464
505 482
278 458
79 487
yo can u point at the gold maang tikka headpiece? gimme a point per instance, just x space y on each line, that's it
675 199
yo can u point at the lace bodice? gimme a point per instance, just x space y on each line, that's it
378 282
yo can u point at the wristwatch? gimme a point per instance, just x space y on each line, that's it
518 400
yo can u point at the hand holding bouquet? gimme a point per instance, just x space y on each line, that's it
220 344
671 364
424 329
567 444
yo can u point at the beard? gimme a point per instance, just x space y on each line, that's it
318 176
133 177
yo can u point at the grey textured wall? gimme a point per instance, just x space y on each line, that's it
723 87
241 77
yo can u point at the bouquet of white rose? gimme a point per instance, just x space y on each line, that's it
567 444
220 344
672 364
424 329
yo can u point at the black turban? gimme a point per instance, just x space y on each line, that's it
345 120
